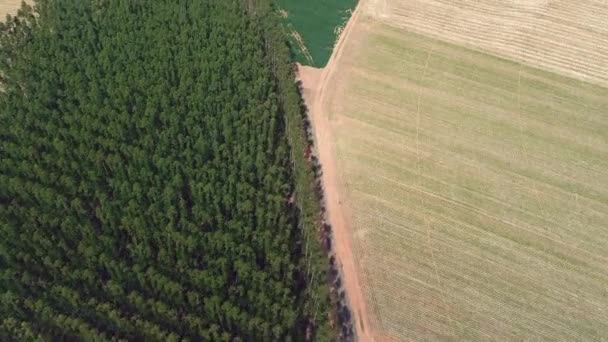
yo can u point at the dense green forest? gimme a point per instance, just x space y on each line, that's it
153 184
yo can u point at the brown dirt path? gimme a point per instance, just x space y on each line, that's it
315 83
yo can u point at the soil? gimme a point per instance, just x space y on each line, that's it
315 92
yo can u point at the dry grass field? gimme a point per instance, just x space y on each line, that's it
477 186
8 7
564 36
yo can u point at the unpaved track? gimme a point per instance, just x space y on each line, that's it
317 100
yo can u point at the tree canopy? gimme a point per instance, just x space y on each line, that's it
146 177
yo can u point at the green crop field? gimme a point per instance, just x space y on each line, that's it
314 26
478 188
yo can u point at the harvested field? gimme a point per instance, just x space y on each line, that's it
478 187
8 7
564 36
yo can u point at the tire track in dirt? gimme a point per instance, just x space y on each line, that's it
315 83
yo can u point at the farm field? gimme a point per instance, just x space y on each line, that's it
8 7
314 26
476 187
569 37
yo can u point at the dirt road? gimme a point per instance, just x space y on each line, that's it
317 95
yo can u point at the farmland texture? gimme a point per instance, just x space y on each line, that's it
314 26
8 7
477 186
569 37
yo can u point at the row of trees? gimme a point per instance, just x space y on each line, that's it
147 179
326 305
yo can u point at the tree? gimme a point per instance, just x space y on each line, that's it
145 171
